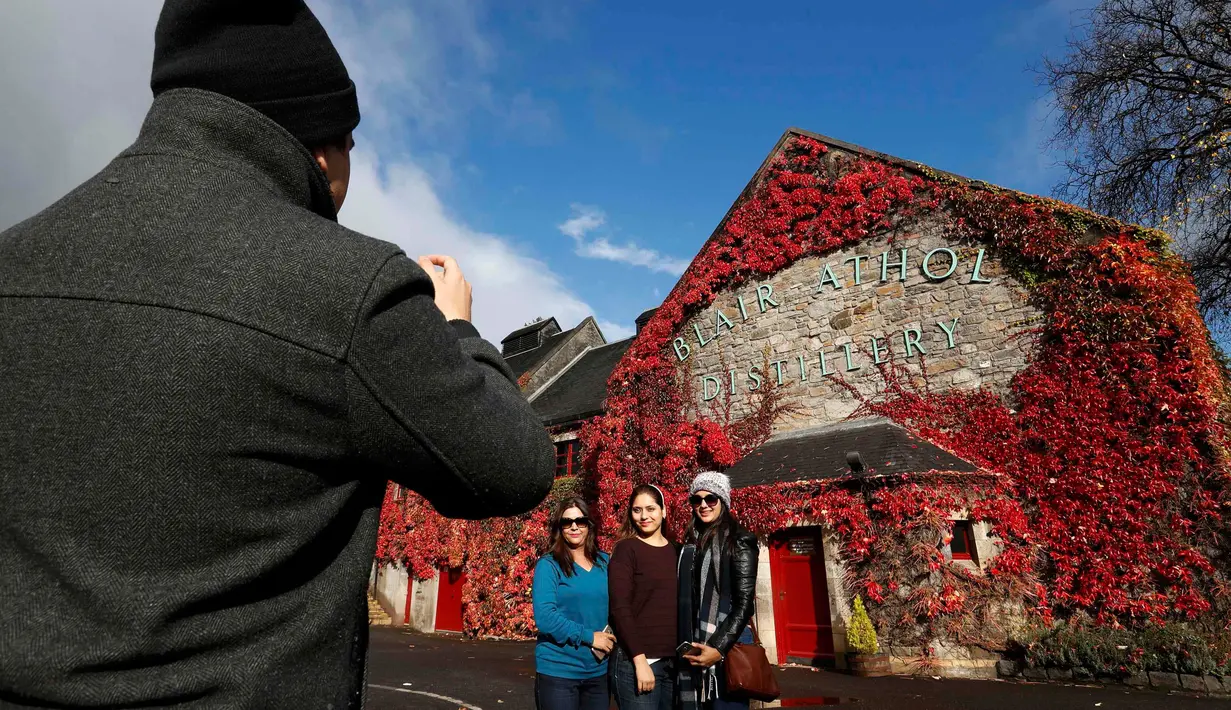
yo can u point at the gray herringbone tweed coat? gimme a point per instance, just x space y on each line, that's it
205 382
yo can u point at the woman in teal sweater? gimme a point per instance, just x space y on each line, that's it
570 611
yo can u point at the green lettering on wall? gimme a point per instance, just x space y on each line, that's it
975 278
720 319
877 348
949 331
679 343
743 312
858 271
700 338
778 368
927 264
850 365
913 343
825 371
705 387
901 265
754 379
765 294
827 277
803 370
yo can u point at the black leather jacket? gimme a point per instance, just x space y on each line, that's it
741 570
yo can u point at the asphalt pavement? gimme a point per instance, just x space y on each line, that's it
427 672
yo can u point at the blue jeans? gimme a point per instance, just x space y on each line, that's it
552 693
624 684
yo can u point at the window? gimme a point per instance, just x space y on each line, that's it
568 458
962 546
397 492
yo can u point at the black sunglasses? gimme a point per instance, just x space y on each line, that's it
710 499
582 522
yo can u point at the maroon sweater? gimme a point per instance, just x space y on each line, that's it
642 586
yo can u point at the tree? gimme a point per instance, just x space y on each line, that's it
1144 98
860 634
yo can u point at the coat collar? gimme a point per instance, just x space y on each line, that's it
202 125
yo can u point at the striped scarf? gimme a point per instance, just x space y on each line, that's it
699 686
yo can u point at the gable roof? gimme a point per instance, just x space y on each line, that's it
527 360
531 328
578 391
819 453
910 166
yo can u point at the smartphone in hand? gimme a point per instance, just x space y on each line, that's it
686 649
600 655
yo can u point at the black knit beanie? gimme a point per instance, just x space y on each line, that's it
272 55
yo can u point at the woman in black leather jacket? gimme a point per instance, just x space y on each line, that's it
717 593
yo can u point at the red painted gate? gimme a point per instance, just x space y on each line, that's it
801 597
449 600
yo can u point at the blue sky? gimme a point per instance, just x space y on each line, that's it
644 120
572 154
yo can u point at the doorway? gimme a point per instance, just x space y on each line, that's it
801 597
449 599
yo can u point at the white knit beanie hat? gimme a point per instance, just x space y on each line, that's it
717 483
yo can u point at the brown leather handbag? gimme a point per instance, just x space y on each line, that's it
748 673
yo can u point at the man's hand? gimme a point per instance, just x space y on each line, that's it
453 294
603 641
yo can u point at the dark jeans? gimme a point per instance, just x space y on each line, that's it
624 684
552 693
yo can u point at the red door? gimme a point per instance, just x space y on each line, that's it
801 597
449 600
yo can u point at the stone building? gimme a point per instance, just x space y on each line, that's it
950 314
921 295
539 354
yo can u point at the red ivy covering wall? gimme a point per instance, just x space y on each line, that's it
1111 493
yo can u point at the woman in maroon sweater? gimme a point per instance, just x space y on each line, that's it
642 580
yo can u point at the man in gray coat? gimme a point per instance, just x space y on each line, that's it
205 383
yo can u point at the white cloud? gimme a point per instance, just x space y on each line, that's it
397 202
586 219
76 87
633 255
615 331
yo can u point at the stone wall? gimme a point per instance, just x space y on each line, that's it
971 325
391 584
423 604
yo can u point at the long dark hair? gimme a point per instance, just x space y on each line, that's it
559 546
702 534
628 528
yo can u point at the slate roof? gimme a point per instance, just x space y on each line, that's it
526 330
527 360
885 448
579 391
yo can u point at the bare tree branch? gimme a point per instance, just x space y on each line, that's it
1145 101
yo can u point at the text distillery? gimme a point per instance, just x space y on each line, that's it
936 266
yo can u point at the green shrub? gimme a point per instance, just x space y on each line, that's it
860 634
1103 650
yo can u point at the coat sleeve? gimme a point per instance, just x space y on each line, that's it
743 593
547 616
435 407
